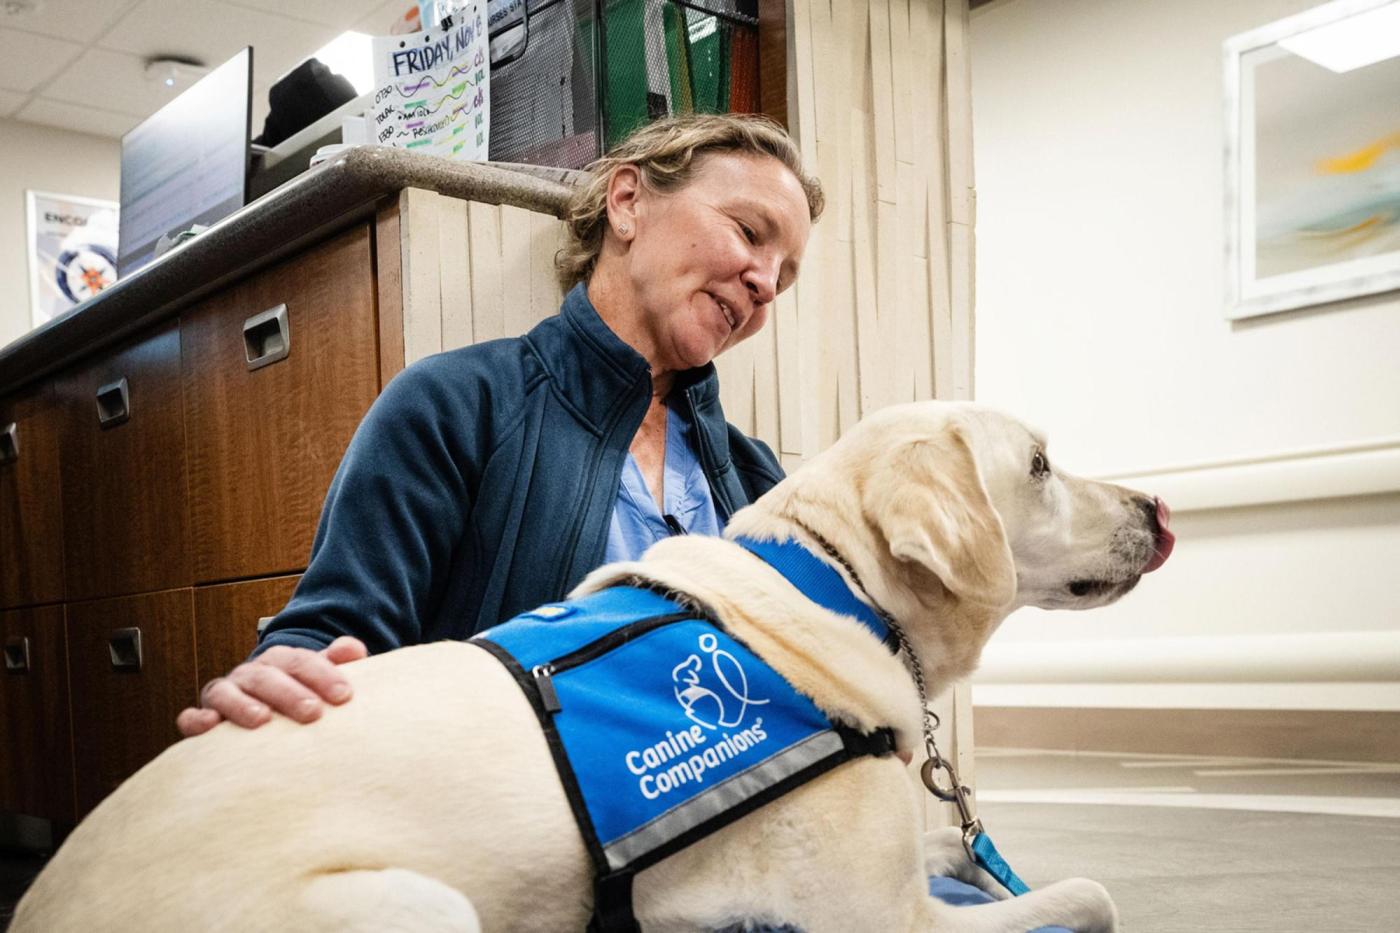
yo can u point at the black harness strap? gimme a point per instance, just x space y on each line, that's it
876 744
612 904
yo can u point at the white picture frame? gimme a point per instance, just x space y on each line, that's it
1294 239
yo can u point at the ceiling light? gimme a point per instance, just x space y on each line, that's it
1351 43
350 54
174 71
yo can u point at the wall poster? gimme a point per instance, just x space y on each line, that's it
72 251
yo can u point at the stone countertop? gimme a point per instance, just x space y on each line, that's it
308 208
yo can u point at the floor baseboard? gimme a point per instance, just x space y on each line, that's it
1300 734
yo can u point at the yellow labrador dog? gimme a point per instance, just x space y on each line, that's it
431 802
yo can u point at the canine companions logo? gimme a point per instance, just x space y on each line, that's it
713 691
704 705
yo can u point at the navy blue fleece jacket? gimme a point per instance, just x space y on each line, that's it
481 482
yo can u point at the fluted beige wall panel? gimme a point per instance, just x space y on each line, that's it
882 313
473 271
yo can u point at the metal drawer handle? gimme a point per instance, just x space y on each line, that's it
267 337
125 645
17 654
263 623
113 403
9 443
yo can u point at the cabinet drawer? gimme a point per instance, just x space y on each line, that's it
37 777
124 523
31 510
226 621
132 669
278 372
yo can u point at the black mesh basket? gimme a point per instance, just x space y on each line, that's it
550 94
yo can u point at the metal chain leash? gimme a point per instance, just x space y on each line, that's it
931 720
957 792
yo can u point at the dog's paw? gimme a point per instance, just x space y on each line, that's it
1091 908
945 856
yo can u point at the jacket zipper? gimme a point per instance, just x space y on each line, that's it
576 533
724 506
544 674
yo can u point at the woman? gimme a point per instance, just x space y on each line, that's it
488 480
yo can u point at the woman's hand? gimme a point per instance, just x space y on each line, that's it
291 681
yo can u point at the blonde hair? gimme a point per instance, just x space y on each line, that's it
665 152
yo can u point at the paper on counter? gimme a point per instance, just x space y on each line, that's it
435 88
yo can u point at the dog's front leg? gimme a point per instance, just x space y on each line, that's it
1079 904
946 856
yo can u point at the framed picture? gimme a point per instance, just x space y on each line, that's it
72 251
1312 158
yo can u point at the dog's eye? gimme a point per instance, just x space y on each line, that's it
1040 466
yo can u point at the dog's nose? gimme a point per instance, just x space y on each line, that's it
1148 507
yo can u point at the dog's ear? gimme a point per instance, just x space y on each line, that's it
927 498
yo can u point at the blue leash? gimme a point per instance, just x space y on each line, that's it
985 854
978 844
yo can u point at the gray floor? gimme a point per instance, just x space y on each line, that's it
1192 844
1185 845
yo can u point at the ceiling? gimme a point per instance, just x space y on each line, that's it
80 64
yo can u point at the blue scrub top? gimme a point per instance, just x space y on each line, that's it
637 523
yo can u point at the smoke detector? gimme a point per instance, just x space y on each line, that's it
175 70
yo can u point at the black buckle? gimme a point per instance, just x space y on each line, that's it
877 744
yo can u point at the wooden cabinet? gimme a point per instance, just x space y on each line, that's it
226 621
35 738
125 524
197 452
168 484
31 514
132 663
278 372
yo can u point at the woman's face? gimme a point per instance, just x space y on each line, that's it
707 260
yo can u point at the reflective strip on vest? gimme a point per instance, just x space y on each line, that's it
719 799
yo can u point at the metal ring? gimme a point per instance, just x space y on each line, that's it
926 773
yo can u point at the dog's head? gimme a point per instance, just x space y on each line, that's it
965 501
972 497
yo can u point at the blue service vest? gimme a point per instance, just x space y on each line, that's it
663 726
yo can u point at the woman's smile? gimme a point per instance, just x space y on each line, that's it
726 311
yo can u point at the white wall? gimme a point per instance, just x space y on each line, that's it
44 159
1098 134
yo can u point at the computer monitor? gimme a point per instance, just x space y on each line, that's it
187 163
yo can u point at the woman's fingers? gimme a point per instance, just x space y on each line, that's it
345 649
292 681
238 697
195 720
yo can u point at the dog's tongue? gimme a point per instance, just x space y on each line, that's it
1165 539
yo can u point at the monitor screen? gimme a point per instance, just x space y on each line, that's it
187 163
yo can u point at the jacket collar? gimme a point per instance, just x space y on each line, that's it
596 371
819 582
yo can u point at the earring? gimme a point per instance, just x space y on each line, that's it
623 229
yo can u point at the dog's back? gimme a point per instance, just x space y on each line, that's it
437 755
